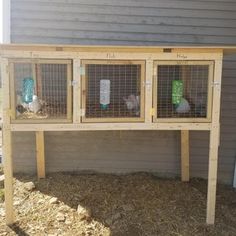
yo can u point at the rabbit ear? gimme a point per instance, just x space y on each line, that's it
125 99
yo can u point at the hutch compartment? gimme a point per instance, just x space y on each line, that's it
183 90
41 90
113 91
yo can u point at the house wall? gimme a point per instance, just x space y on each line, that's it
129 22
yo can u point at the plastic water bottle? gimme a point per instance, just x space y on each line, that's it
105 89
28 90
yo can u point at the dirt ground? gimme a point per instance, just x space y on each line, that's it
120 205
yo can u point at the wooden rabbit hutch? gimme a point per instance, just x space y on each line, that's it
75 88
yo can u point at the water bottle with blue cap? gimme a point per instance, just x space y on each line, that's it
28 90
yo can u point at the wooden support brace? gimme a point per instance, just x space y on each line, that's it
214 144
185 155
40 154
212 175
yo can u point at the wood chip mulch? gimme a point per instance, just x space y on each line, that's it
120 205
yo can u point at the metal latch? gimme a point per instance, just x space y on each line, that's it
148 84
152 112
215 83
74 82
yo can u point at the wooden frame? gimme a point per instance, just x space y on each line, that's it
34 63
185 155
76 91
148 56
7 144
209 93
111 126
214 144
40 154
113 119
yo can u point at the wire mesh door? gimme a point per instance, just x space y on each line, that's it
41 90
183 90
113 91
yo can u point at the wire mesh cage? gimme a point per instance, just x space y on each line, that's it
183 90
113 91
41 89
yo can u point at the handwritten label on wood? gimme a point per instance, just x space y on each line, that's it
182 56
111 55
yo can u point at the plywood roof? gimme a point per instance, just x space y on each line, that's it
102 48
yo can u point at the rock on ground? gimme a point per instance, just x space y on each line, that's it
29 186
83 213
53 200
60 217
2 177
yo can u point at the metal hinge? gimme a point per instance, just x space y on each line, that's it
74 82
216 83
147 83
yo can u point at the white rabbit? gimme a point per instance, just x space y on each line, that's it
183 107
132 103
35 105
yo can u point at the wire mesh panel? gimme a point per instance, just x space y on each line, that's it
113 91
41 89
183 90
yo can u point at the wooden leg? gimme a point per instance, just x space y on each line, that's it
212 175
40 154
185 155
8 172
7 145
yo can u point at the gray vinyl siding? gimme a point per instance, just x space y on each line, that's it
133 22
129 22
